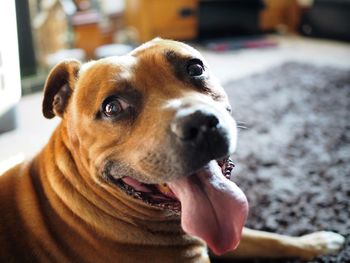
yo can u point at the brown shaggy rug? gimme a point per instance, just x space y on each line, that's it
293 158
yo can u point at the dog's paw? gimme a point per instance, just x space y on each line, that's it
321 243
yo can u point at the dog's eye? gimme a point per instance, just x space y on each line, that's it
114 106
195 68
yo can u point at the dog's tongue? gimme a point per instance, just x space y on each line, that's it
212 207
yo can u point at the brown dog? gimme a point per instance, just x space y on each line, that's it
135 171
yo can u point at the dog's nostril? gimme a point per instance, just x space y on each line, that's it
213 121
191 134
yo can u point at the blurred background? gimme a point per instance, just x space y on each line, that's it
297 42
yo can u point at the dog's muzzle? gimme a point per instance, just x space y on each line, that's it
200 135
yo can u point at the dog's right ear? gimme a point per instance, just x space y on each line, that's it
59 87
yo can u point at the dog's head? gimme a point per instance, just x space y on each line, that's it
156 124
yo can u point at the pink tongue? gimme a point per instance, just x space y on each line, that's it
136 185
212 208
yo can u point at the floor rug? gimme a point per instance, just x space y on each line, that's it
293 155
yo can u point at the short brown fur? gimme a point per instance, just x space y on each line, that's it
58 207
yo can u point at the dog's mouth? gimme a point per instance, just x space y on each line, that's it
161 195
212 207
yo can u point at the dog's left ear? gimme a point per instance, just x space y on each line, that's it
59 87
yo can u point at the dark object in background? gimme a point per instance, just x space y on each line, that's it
8 120
327 18
25 39
225 18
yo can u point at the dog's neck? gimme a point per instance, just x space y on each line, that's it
96 212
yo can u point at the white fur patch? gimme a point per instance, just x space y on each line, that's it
86 66
323 242
334 241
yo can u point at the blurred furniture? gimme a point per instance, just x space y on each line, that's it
280 15
66 24
163 18
89 33
189 19
51 29
10 85
222 18
226 18
327 18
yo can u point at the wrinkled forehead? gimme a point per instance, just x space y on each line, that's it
151 58
161 46
152 51
109 66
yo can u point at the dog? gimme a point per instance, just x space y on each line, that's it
137 170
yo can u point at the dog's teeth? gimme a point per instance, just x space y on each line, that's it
227 166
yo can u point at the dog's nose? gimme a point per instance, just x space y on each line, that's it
195 126
199 134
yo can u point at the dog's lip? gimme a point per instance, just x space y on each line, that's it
161 195
149 194
157 191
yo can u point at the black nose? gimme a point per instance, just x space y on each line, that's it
195 126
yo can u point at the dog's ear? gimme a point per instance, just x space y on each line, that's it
59 87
